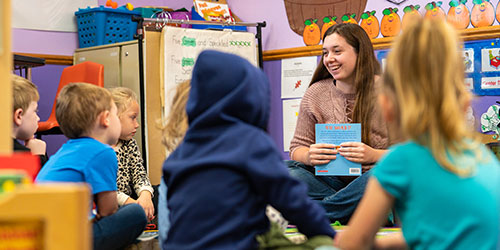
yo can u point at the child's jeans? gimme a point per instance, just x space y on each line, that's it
119 229
338 198
163 213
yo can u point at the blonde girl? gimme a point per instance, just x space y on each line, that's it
443 183
174 130
132 181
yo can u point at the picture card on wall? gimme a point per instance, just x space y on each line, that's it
296 74
290 115
490 59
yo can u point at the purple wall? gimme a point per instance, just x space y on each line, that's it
276 35
275 126
46 78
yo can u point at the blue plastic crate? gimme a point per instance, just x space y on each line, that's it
100 25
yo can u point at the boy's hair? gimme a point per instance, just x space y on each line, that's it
367 67
424 76
78 106
176 123
24 92
122 97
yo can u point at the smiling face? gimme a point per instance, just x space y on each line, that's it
128 120
339 58
28 122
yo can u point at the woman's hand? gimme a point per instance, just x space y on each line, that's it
321 153
147 203
360 152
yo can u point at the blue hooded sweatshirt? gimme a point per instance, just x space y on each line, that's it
227 169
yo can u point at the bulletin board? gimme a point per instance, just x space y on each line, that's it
482 66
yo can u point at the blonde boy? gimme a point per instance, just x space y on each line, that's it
88 116
25 119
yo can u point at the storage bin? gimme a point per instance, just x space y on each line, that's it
149 12
100 25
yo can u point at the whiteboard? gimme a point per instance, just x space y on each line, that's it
182 47
53 15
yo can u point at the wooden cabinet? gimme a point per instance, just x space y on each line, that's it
121 68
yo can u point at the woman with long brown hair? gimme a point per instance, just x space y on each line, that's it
342 90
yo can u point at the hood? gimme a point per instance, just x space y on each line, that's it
227 89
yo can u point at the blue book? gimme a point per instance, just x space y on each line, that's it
336 134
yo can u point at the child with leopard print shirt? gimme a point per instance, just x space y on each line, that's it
132 180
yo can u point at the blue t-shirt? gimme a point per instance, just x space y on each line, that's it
439 209
83 160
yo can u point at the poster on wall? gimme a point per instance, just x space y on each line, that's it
53 15
182 47
296 74
490 59
290 115
468 55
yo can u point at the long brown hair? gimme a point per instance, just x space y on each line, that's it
367 67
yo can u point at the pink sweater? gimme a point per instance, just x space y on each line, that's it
323 102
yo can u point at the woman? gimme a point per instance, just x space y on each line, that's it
342 90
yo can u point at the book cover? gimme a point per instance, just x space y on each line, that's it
213 10
336 134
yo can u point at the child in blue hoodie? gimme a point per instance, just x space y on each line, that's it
227 169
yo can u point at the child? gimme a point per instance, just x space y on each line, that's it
175 127
133 181
88 116
444 185
226 170
25 100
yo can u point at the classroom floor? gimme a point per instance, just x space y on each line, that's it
147 241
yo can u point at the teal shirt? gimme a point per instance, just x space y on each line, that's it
438 209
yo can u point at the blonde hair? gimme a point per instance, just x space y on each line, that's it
24 92
425 77
78 106
122 97
176 123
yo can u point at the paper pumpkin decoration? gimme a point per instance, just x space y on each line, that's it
369 23
458 14
391 23
349 18
498 12
434 10
482 14
312 34
410 12
327 23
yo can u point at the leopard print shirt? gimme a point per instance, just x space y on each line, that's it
132 177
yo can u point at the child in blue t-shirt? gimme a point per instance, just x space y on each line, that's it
88 116
443 183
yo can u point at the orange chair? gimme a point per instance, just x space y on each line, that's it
89 72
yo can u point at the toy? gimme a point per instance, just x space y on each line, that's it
110 3
129 6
